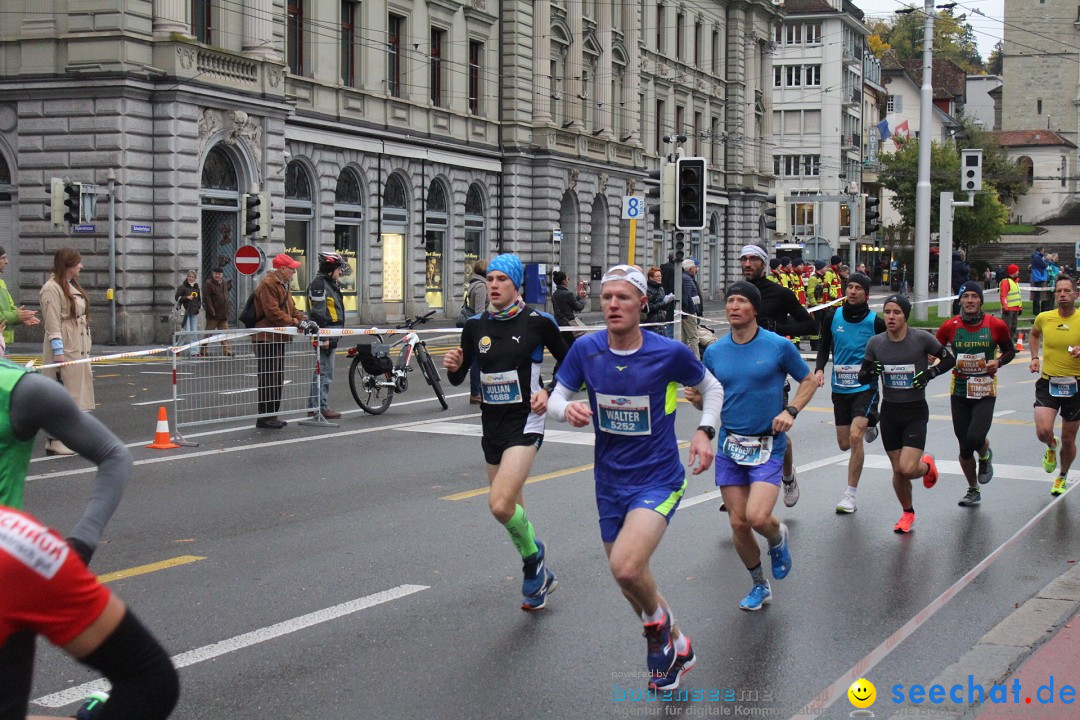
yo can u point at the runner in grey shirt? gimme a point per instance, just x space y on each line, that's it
899 356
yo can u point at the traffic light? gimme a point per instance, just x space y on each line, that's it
869 217
690 193
265 216
680 246
971 169
56 199
73 203
776 212
661 195
252 214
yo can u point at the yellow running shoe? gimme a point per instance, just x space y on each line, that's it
1050 458
1059 487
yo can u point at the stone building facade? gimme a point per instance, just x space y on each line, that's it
411 136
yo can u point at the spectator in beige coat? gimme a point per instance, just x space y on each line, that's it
65 309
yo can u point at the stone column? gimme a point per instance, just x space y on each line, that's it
574 64
171 17
542 62
259 30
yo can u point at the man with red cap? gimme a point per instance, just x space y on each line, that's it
1012 303
274 307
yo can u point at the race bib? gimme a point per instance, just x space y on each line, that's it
500 388
1062 386
845 376
900 377
748 449
980 386
971 363
623 415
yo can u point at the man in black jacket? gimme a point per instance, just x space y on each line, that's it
564 305
328 310
782 313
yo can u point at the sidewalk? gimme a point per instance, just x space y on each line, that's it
1037 641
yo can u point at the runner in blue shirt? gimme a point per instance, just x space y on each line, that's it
752 364
632 380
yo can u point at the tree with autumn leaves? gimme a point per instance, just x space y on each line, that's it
954 38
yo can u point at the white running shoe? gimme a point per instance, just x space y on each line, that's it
871 434
791 490
846 506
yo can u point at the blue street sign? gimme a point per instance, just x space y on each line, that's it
140 228
85 228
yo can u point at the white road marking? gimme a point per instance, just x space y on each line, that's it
715 494
167 401
952 467
1000 413
207 652
570 437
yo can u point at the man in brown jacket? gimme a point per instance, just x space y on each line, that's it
274 307
217 306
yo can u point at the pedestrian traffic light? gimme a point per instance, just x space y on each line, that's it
869 222
73 203
776 212
252 214
680 246
971 169
56 200
690 193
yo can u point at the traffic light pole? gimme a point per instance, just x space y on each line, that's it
945 237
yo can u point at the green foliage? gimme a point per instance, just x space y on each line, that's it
954 38
995 63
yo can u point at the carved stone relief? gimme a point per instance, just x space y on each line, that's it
238 127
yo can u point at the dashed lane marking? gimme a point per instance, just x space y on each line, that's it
239 642
149 568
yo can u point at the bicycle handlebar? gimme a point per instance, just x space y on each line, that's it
418 320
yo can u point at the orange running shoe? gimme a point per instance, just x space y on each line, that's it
903 525
929 480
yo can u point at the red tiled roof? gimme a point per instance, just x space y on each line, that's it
1030 138
949 79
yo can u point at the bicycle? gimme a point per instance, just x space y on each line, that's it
374 378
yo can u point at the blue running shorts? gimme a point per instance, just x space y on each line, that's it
728 472
615 503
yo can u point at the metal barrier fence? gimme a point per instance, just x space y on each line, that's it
220 376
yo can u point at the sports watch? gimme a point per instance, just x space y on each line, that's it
792 411
708 430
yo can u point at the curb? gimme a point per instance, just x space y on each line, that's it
1002 650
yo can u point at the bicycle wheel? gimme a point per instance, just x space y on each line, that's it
372 397
431 374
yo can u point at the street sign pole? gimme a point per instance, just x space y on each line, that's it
633 207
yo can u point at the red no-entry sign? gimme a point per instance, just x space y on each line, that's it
249 259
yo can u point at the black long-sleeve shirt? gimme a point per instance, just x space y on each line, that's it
781 310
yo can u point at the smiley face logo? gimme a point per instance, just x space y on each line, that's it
862 693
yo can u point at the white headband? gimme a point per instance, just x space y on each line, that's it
754 251
628 273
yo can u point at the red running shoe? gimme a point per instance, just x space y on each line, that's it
929 480
903 525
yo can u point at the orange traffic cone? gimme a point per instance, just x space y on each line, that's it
1020 342
162 441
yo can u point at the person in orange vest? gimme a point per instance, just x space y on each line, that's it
777 275
795 283
1012 303
834 285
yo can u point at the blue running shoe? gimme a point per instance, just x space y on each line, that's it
683 663
759 597
661 654
781 556
533 569
539 600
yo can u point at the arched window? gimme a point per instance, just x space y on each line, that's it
348 220
590 86
560 85
395 220
1028 167
618 94
475 226
437 222
221 215
219 173
299 213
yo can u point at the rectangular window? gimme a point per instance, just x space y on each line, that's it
794 34
660 29
348 42
698 149
791 165
813 33
679 113
1038 106
776 164
698 33
395 27
680 21
294 36
435 81
779 27
660 127
812 75
894 104
715 53
778 75
476 55
793 75
812 165
201 20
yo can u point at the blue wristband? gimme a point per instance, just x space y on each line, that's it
57 346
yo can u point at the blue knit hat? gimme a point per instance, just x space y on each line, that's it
510 265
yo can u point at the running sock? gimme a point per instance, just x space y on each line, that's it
757 574
788 479
910 510
521 533
681 644
851 490
986 456
655 617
